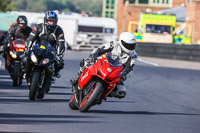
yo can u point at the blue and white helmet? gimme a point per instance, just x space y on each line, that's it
127 41
50 16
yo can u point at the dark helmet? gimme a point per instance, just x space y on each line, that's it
22 22
50 16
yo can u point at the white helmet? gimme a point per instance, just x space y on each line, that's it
127 41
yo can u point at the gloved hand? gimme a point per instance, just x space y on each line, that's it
9 44
92 58
26 51
60 61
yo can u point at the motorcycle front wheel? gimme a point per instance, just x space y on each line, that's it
16 75
91 98
34 85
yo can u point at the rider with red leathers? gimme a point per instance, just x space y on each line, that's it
125 49
49 31
18 31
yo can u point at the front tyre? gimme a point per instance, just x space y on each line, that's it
92 97
46 86
16 75
34 85
73 104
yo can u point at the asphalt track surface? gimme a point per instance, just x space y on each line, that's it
159 100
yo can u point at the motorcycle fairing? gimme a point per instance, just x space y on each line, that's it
104 71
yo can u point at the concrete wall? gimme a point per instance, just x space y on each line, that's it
169 51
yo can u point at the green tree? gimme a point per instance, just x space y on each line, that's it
7 5
92 6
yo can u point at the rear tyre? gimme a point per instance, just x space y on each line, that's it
34 85
93 96
16 75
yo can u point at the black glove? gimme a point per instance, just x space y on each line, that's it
26 51
60 64
92 58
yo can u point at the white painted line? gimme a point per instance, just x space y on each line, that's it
7 80
147 62
4 76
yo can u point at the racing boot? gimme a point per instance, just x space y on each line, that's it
58 75
118 92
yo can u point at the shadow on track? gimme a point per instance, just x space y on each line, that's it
61 87
51 100
57 93
9 118
119 101
17 132
136 112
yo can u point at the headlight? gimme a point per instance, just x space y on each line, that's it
13 55
33 58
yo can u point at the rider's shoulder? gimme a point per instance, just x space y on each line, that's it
29 28
37 27
40 25
13 27
59 28
134 54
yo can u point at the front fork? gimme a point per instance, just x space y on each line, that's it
76 90
79 94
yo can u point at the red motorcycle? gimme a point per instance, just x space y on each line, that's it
96 83
14 61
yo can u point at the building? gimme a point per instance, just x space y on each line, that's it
193 18
129 10
110 8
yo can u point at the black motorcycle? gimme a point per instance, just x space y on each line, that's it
42 58
15 61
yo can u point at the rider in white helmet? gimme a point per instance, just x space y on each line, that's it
125 49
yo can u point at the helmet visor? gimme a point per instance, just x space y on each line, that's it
129 46
52 22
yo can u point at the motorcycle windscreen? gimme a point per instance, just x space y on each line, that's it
18 45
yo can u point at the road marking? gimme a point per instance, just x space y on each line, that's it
4 76
8 80
147 62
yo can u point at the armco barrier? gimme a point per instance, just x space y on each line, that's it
169 51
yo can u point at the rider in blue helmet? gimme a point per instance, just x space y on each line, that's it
51 32
50 20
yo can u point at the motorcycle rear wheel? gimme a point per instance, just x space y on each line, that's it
34 85
91 99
